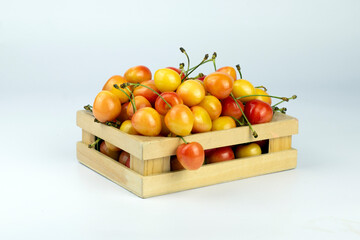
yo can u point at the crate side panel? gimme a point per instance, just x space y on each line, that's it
87 137
281 126
116 137
150 167
279 144
109 168
219 172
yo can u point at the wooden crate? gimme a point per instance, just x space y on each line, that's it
149 174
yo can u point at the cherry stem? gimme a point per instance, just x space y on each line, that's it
133 100
210 60
254 133
293 97
187 56
194 68
132 103
239 70
282 110
139 84
113 124
213 59
182 139
88 107
237 120
198 76
94 143
263 95
265 89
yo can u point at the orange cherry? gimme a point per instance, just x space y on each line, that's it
106 106
138 74
109 86
229 70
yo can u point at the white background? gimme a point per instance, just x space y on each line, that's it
56 55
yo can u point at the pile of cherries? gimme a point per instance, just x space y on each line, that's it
172 103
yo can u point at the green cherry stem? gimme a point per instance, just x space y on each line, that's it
198 76
273 106
132 103
210 60
285 99
239 70
182 139
237 120
88 107
194 68
254 133
213 59
133 100
139 84
94 143
265 89
282 110
113 124
187 56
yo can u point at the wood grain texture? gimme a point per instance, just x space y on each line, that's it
146 148
110 168
150 167
87 137
219 172
279 144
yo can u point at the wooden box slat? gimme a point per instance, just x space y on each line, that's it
145 148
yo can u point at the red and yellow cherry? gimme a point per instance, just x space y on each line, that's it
202 120
109 86
175 165
242 88
259 91
105 150
222 123
258 111
171 97
247 150
230 108
191 92
112 147
106 106
147 121
179 120
220 155
140 102
123 114
138 74
212 105
229 70
191 155
124 157
167 80
219 84
147 93
128 128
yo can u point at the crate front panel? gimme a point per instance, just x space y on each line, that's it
145 148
